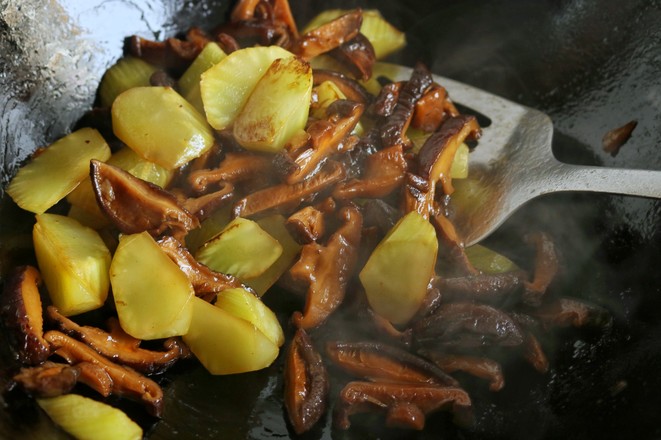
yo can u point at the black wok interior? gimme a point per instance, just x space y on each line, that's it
592 66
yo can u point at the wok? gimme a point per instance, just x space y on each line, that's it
592 66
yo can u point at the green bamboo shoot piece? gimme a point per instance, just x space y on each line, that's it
74 263
152 295
385 38
242 249
161 126
189 83
277 108
225 87
243 304
399 269
227 344
488 260
88 419
57 170
274 225
125 74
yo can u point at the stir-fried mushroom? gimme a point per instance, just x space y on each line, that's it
384 172
534 353
616 138
451 246
235 167
125 381
262 22
351 88
289 196
172 54
326 137
120 347
465 324
501 289
206 282
546 267
118 193
405 405
387 328
392 132
49 379
203 206
281 12
357 55
379 362
432 108
328 36
481 367
306 383
22 316
306 225
327 269
566 312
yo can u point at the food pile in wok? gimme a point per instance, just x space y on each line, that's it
223 163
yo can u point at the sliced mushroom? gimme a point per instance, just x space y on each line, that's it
326 137
235 167
173 54
466 324
289 197
546 267
387 328
481 367
386 101
306 225
328 36
406 405
451 246
135 205
281 12
380 362
357 55
120 347
616 138
385 171
206 282
351 88
22 316
328 269
392 132
49 379
306 383
432 108
125 381
501 289
571 312
203 206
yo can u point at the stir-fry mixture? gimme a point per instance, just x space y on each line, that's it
226 162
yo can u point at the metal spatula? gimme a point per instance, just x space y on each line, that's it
514 163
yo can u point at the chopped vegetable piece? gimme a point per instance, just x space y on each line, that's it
243 304
125 74
459 167
152 295
226 344
161 126
489 261
74 262
277 108
225 87
85 418
189 83
242 249
57 170
397 273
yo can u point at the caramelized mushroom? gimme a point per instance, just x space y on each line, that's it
135 205
380 362
289 196
235 167
405 405
565 312
49 379
392 131
357 55
22 316
328 36
125 381
120 347
384 172
386 101
172 54
306 383
495 289
328 269
326 137
451 246
351 88
546 267
203 206
481 367
306 225
432 108
465 324
614 139
206 282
